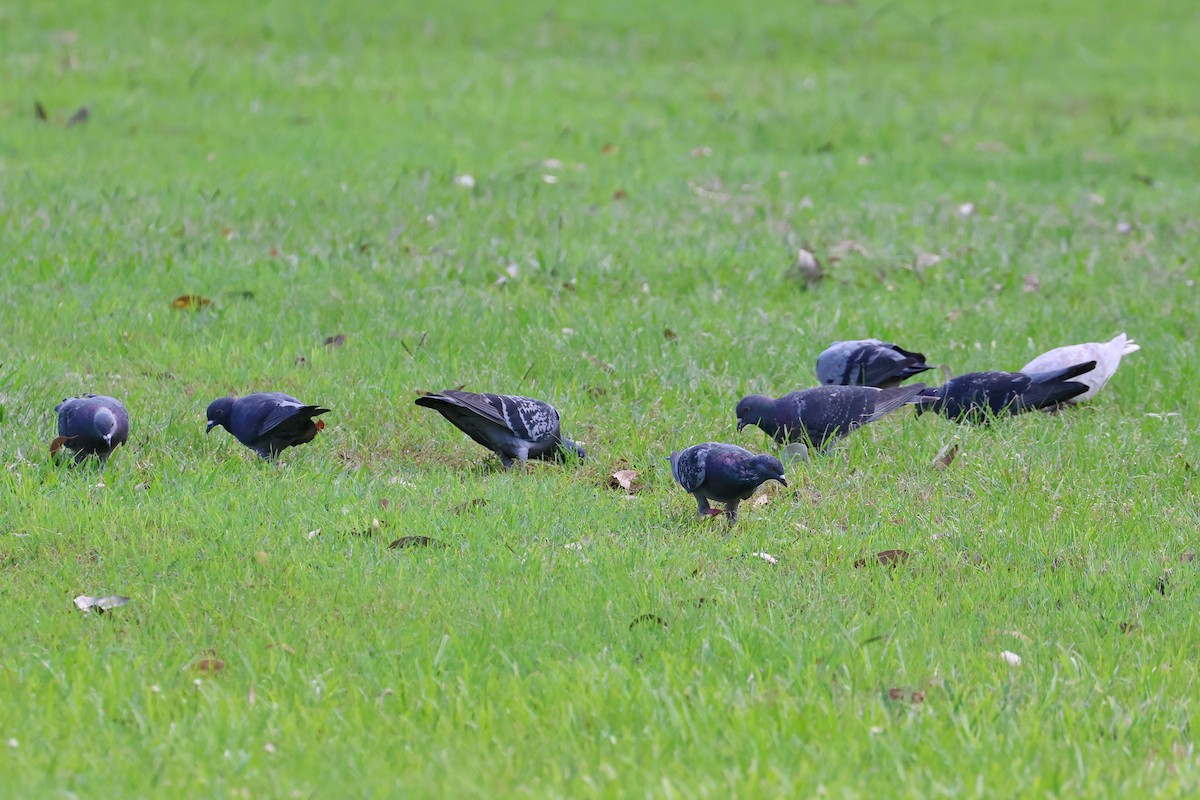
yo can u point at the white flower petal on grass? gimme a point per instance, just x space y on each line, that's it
767 557
549 179
466 181
1011 658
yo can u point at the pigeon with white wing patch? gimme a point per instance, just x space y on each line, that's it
513 427
266 422
1107 356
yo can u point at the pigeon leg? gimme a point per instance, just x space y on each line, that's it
506 461
704 509
731 509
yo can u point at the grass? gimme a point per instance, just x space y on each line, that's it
645 167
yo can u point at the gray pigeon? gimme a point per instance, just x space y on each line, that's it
266 422
1107 356
979 397
510 426
92 425
868 362
820 416
725 473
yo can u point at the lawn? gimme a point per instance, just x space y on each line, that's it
601 205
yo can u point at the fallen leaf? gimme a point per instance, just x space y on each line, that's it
844 248
624 479
608 148
647 618
39 111
57 443
895 693
620 194
603 365
79 117
917 697
767 557
337 340
670 335
1012 658
86 603
1189 556
807 268
888 558
1031 283
761 500
966 210
210 663
414 541
319 424
945 456
466 181
462 508
190 302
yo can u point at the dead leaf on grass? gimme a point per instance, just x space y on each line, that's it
670 335
767 557
468 505
86 603
1011 658
210 663
414 541
190 302
1031 283
602 365
945 456
337 340
79 117
626 479
887 558
807 268
39 111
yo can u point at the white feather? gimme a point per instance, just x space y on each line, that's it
1107 356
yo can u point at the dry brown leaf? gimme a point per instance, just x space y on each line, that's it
945 456
79 117
39 111
670 335
603 365
888 558
473 503
626 479
808 268
190 302
620 194
337 340
210 663
761 500
1031 283
414 541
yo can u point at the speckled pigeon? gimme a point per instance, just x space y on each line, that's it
978 397
868 362
266 422
725 473
820 416
92 425
1107 356
510 426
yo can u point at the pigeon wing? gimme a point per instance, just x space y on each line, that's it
688 467
285 408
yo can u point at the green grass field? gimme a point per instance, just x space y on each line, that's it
643 177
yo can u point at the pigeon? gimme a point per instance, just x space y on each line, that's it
818 417
868 362
980 396
725 473
92 425
266 422
512 427
1107 356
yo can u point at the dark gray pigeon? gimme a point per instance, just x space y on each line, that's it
868 362
266 422
91 425
978 397
512 427
725 473
820 416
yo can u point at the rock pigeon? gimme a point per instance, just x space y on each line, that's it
1107 356
91 425
725 473
817 417
979 396
266 422
868 362
512 427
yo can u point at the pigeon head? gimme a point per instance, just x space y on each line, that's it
219 413
769 468
752 409
567 446
106 424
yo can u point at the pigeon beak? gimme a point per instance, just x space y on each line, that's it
782 480
741 424
108 438
211 424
